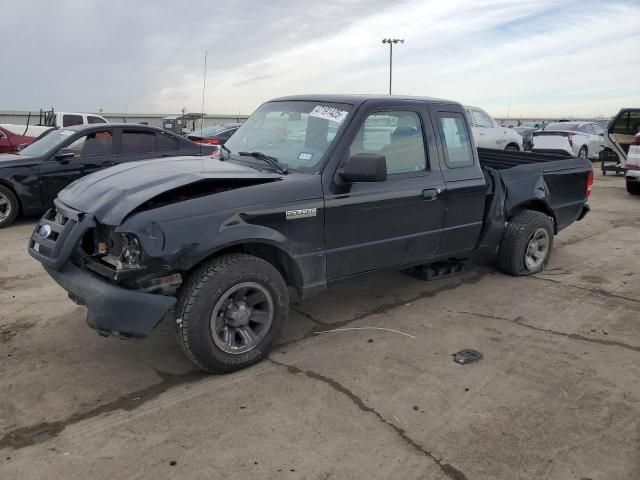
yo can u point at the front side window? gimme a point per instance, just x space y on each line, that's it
70 120
296 133
95 144
455 137
597 129
398 136
138 142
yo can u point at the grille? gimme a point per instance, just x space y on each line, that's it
57 234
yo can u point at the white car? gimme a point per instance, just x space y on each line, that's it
623 139
578 139
489 134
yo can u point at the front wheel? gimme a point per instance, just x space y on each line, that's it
526 245
512 147
8 207
230 312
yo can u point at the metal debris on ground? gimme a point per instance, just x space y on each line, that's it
467 356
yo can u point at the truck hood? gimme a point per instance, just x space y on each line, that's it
111 194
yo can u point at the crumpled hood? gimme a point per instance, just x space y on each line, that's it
111 194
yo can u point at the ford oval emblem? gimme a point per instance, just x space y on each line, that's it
44 231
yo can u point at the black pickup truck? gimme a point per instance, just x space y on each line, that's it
310 190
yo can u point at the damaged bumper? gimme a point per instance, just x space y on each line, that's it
112 310
585 209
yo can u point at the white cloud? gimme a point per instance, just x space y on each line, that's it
577 61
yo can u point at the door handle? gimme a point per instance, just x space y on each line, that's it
107 164
431 194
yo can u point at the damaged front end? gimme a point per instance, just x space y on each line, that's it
120 257
126 292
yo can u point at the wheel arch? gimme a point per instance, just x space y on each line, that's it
537 205
277 256
8 185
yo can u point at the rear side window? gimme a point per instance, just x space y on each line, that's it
167 143
138 142
398 136
456 140
93 119
70 120
627 124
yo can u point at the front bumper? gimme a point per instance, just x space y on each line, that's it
112 310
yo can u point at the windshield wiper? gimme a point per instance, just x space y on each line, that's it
273 161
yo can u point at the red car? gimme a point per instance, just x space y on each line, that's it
12 136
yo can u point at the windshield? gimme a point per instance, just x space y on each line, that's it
46 142
296 133
209 131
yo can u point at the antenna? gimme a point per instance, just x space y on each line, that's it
204 86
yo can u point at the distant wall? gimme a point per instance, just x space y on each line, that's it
20 118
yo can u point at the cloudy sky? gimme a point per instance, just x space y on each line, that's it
521 57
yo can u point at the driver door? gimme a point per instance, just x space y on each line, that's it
91 152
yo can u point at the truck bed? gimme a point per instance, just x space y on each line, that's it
506 159
551 183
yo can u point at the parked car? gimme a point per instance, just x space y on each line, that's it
527 136
579 139
622 140
214 135
31 178
307 195
490 134
16 137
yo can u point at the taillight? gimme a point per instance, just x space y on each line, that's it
589 187
212 141
570 137
636 140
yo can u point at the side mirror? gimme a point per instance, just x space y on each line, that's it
22 146
65 154
364 167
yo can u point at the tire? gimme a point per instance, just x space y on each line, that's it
9 207
216 344
526 227
633 188
512 147
583 152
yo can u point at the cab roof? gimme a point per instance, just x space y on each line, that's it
358 99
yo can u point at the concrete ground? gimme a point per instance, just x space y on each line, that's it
556 395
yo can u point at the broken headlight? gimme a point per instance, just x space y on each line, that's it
131 253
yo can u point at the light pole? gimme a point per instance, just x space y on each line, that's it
391 41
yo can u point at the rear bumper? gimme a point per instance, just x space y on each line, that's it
585 209
112 310
633 176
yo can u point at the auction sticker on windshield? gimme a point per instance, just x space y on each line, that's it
329 113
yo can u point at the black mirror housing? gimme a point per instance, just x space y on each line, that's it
364 167
65 154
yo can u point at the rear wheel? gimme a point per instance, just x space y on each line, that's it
8 207
512 147
583 153
526 245
230 312
633 188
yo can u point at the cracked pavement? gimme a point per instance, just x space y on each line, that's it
555 396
